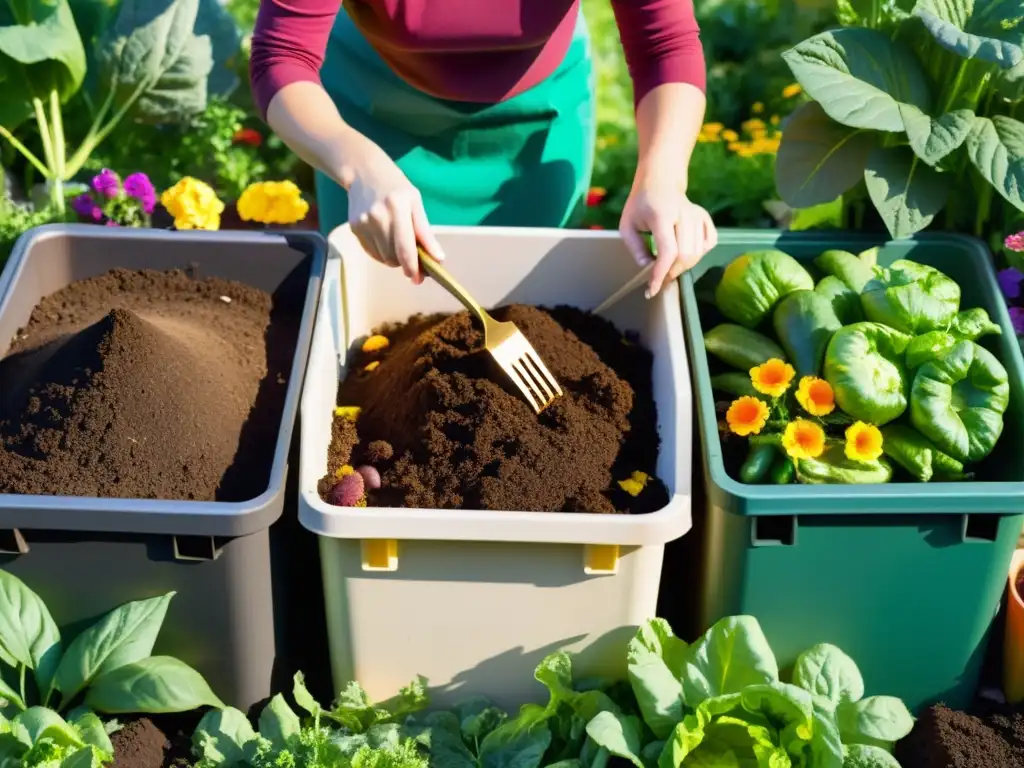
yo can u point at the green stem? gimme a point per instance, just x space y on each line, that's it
984 205
59 150
96 137
976 96
21 681
25 151
961 73
45 133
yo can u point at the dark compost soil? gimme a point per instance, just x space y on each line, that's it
993 737
146 384
447 430
143 743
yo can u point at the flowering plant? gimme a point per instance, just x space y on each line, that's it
272 202
115 203
789 429
193 204
1011 280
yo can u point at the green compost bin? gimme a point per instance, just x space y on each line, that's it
905 577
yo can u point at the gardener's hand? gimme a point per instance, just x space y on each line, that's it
683 232
386 213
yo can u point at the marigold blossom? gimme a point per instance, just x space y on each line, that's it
272 202
863 442
746 416
815 396
772 377
803 439
193 204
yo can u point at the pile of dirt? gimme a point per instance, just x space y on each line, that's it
993 737
446 429
143 743
145 384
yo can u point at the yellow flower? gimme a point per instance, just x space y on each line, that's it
375 343
753 125
815 396
343 470
272 202
775 120
757 107
863 442
193 204
635 483
791 90
746 416
772 377
348 412
730 135
712 129
803 439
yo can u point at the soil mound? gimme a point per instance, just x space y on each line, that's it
146 401
948 738
463 437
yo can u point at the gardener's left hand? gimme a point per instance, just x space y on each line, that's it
683 232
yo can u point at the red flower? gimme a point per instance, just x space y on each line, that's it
595 226
249 136
596 196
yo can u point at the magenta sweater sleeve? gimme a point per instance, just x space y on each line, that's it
661 41
288 45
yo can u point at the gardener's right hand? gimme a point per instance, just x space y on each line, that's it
386 213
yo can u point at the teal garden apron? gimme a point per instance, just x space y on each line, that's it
523 162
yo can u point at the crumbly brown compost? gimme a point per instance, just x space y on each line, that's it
145 384
462 436
948 738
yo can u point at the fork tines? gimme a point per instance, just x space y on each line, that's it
524 366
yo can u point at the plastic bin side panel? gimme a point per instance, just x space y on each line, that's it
477 618
220 621
909 597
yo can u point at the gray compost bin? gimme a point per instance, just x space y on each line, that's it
85 556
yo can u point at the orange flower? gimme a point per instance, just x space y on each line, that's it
815 396
863 442
791 90
803 439
746 416
596 196
772 377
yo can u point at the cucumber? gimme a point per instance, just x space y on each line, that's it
783 471
758 462
737 385
741 347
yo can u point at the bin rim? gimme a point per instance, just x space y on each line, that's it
407 523
1000 498
172 516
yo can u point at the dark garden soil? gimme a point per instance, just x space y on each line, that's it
446 429
146 384
158 743
991 737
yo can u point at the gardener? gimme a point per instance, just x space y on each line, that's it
479 112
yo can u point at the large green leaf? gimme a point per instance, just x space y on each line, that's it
124 635
214 21
819 159
36 723
990 30
824 670
1010 83
906 192
859 76
934 138
154 685
151 53
730 656
27 630
655 659
40 52
221 737
996 147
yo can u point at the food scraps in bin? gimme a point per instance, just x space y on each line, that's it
433 427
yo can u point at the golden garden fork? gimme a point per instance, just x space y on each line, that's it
506 343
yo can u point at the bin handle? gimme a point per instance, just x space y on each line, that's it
12 542
379 554
600 559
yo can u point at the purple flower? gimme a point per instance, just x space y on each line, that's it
83 205
1015 242
140 187
1009 281
1017 318
107 183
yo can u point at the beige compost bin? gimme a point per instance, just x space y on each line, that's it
473 600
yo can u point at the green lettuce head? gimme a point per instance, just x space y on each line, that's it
753 283
957 401
912 298
864 365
